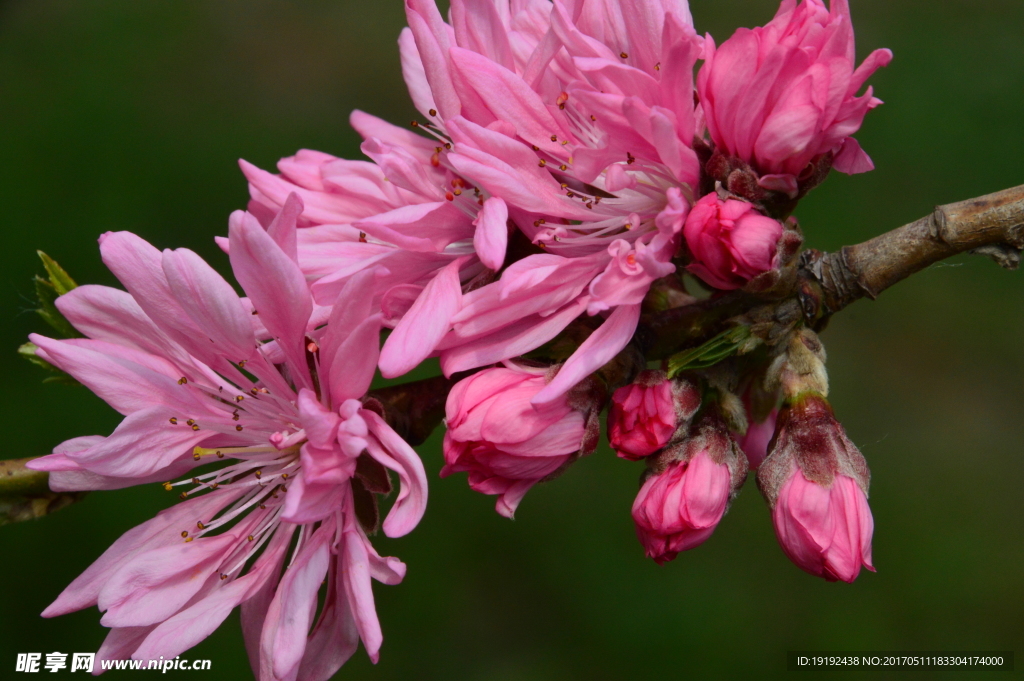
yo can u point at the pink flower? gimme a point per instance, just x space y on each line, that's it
262 390
645 414
780 96
582 121
679 506
730 241
759 434
505 443
816 483
420 226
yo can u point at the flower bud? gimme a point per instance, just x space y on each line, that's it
755 442
688 492
730 241
505 443
783 95
816 482
645 414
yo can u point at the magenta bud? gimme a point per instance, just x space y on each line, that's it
816 482
682 502
755 442
645 414
731 242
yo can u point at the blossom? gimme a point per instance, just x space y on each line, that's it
645 414
730 241
816 482
514 150
260 388
422 228
783 95
505 443
682 501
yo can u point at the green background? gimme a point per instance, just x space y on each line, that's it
118 115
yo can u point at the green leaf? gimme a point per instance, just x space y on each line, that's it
59 279
712 352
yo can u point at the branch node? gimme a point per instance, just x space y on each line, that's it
940 225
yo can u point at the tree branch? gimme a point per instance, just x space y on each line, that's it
991 225
25 494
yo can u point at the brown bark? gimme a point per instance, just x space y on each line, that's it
991 225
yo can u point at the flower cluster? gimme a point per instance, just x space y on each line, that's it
575 161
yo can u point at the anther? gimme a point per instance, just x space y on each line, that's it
182 381
250 537
238 428
457 192
259 474
284 476
174 421
184 533
189 539
554 138
447 145
215 485
415 124
196 456
563 185
437 150
253 392
543 163
239 398
195 481
223 577
362 237
263 507
200 525
435 160
535 147
623 55
433 112
195 426
630 158
234 415
562 99
593 118
312 346
563 167
242 363
183 495
191 422
657 67
449 196
220 454
168 486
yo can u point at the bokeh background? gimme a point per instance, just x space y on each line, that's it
118 115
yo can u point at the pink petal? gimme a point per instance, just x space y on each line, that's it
283 228
290 614
423 326
491 237
602 345
275 286
396 454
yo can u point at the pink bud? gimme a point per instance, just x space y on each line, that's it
505 443
680 506
780 96
730 241
645 414
825 530
755 442
816 482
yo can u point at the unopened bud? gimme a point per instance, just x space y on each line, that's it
688 490
816 482
801 367
646 414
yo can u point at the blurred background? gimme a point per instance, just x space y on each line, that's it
118 115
